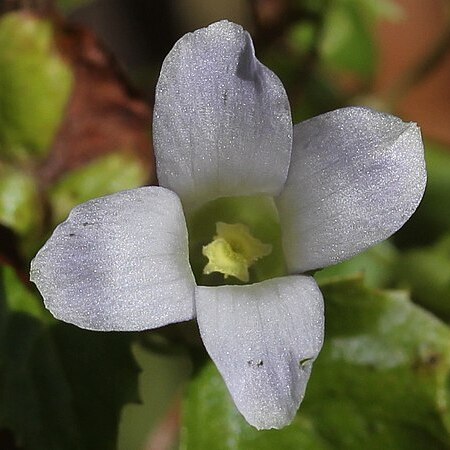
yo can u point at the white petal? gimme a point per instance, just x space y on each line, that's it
263 338
222 123
119 263
356 176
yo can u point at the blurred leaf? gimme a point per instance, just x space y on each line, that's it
105 115
208 403
35 86
426 273
301 37
35 399
376 265
60 387
20 299
318 96
19 202
312 6
106 175
381 9
432 218
70 5
380 382
102 374
159 385
347 42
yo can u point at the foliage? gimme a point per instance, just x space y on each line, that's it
379 382
59 385
382 378
36 84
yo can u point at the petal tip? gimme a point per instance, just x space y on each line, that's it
212 77
361 174
272 419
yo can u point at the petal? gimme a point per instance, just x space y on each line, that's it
119 263
222 123
356 177
263 338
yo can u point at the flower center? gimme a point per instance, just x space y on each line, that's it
233 250
236 240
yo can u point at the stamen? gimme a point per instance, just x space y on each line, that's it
233 250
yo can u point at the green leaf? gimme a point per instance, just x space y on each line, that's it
159 385
19 202
380 9
211 421
70 5
106 175
432 219
376 265
20 299
319 96
425 272
102 375
35 399
60 387
301 37
380 382
347 42
35 86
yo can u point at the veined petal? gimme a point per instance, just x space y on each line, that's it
356 176
263 338
119 263
222 123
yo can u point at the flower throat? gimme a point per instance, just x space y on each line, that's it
236 240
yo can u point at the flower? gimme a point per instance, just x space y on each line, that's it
263 203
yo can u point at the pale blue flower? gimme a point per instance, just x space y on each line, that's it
337 183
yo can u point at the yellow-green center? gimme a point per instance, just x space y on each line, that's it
233 250
235 240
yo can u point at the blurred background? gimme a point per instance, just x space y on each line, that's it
77 81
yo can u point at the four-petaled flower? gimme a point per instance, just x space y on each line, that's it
264 202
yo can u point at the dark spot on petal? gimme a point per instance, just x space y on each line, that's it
304 362
258 363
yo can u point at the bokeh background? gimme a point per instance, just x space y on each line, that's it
77 81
